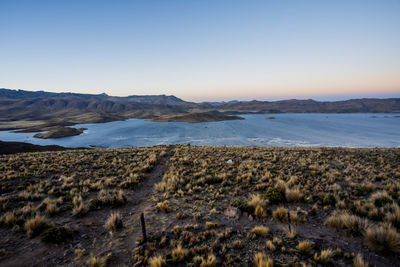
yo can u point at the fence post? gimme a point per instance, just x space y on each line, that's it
143 228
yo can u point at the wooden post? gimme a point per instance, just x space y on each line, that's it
143 228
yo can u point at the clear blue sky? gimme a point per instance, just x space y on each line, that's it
203 50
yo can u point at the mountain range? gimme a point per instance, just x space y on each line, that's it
33 111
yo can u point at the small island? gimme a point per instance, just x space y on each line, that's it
59 132
197 117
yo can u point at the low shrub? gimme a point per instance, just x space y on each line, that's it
329 199
242 205
55 234
274 195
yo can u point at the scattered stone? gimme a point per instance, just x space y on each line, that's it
232 213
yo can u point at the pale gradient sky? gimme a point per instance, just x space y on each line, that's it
203 50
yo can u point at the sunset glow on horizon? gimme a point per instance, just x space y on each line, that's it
203 50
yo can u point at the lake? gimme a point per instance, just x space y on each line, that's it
302 130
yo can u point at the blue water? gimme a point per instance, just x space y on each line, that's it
345 130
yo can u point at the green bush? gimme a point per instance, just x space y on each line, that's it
329 199
275 195
242 205
55 234
382 201
361 190
94 204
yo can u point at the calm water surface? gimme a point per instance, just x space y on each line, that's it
347 130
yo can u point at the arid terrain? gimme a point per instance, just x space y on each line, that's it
203 206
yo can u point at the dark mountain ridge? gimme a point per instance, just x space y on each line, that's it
34 111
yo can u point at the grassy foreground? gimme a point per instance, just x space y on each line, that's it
203 206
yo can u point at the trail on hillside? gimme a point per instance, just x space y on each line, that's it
139 201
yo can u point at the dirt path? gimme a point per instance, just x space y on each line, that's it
139 201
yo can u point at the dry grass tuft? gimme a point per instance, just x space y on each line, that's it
209 262
304 247
157 261
237 244
293 195
179 254
383 238
280 214
79 208
10 218
260 212
348 222
291 232
260 231
164 206
261 260
325 256
34 225
270 245
358 261
114 222
394 216
255 201
98 261
211 225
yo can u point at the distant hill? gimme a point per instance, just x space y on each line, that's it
365 105
34 111
71 107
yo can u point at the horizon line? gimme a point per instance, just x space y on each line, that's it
320 98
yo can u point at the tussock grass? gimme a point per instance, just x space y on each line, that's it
260 212
98 261
255 201
270 245
157 261
304 247
293 195
381 198
237 244
164 206
280 214
383 238
324 256
10 218
261 260
211 225
114 222
179 254
209 262
351 223
35 225
79 208
260 230
358 261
